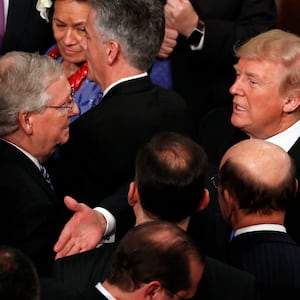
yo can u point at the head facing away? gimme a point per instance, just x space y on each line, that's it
155 258
169 178
122 38
257 179
35 103
18 276
267 87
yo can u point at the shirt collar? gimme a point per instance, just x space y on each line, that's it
104 291
287 138
260 227
122 80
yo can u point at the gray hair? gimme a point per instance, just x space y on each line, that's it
137 25
24 77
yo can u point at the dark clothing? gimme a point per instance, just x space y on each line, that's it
25 29
222 281
100 154
273 257
31 215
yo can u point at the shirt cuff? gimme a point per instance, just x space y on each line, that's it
200 45
110 221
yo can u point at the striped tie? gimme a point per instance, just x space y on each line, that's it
46 175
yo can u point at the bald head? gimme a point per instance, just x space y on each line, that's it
259 175
260 160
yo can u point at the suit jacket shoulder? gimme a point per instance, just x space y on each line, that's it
273 257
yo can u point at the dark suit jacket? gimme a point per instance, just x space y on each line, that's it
100 154
53 289
25 29
84 270
30 215
222 281
273 257
203 77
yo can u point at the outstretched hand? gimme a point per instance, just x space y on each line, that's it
82 232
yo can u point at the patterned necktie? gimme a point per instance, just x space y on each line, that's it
2 29
160 73
46 175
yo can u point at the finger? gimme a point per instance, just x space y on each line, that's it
71 203
64 237
68 248
75 249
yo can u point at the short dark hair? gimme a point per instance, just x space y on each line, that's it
18 276
143 256
170 174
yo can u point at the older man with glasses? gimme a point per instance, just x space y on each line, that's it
35 110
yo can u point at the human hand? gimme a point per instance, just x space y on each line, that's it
169 43
181 16
82 232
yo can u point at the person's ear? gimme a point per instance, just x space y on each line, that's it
132 194
230 205
291 104
25 121
204 201
154 291
113 51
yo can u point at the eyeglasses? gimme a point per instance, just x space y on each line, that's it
215 180
69 104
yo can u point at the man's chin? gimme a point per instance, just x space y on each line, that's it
236 120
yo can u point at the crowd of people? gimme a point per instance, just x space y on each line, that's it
116 186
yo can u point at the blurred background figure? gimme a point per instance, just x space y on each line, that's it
25 28
18 276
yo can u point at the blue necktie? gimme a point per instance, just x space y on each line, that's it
46 175
161 73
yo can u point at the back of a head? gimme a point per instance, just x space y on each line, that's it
137 25
280 47
260 175
155 250
24 77
18 276
170 174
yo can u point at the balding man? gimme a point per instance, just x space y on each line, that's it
256 180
